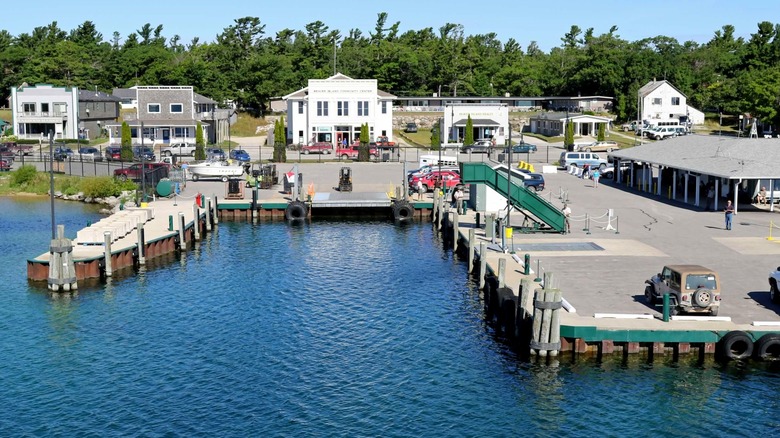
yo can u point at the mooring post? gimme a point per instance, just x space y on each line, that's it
141 244
182 242
216 210
441 212
107 253
255 195
472 242
490 227
501 271
208 214
455 231
196 221
170 222
482 264
555 324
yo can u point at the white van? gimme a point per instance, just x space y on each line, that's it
433 160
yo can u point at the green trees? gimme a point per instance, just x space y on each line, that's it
363 150
468 136
568 135
435 138
600 136
280 141
126 151
200 151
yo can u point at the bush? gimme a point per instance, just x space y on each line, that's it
100 187
23 176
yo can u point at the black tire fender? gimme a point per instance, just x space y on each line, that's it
296 210
735 345
402 211
767 347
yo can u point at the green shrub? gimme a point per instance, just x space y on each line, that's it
99 187
23 176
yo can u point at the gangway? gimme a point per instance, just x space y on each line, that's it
520 197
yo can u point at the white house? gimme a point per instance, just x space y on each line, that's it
42 108
333 109
489 120
554 124
661 102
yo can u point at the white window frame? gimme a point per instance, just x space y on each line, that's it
343 108
322 108
300 107
362 108
676 101
181 132
176 112
149 108
26 105
656 101
384 107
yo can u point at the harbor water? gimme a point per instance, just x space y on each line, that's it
333 328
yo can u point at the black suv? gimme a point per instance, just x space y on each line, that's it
411 127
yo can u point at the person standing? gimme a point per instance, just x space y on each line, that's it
595 177
419 189
710 196
458 198
729 214
566 215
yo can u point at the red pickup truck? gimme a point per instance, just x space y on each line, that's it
134 172
382 142
351 152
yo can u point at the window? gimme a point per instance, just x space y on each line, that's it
44 107
363 108
29 107
60 109
153 108
300 107
322 109
177 108
181 132
675 101
656 101
343 108
384 107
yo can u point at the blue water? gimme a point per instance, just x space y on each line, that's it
327 329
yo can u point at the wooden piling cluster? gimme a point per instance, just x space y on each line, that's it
62 271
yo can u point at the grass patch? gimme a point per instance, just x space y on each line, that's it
421 138
246 125
28 180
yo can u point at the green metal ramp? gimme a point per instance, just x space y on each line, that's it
527 201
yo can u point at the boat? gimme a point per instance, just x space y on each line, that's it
215 169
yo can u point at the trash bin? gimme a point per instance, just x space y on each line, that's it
501 158
385 156
234 186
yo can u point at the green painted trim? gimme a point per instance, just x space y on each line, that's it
594 334
273 206
422 205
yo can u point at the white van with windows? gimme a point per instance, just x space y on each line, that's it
580 159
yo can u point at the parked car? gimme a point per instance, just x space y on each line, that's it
91 154
5 165
240 155
598 146
479 147
448 178
411 127
661 133
427 169
178 149
774 292
143 154
133 172
215 154
682 130
320 147
532 180
63 153
7 153
691 289
521 148
113 153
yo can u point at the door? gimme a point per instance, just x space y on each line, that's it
166 135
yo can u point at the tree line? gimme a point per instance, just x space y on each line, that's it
727 74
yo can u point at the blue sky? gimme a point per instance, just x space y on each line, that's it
540 21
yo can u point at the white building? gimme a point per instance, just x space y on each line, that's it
333 109
661 102
489 121
554 124
42 108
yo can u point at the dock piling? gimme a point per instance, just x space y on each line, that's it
208 214
215 216
455 231
501 272
196 215
472 241
107 253
141 244
545 336
182 241
482 264
62 273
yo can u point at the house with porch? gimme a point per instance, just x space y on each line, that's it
168 114
43 108
662 103
332 110
489 121
553 124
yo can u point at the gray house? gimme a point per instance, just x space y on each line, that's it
168 114
96 111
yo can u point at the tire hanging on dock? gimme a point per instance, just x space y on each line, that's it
735 345
402 211
296 210
767 347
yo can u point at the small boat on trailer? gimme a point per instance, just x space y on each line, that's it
215 169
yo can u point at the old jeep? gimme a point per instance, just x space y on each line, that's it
691 289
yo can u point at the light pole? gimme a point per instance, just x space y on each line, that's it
51 181
143 166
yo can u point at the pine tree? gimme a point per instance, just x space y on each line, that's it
435 138
468 136
568 137
200 151
601 132
363 151
126 151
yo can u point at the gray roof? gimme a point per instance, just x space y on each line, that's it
725 157
652 85
199 98
96 96
477 122
124 93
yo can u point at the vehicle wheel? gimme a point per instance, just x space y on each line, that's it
587 150
702 297
167 153
123 177
306 152
774 294
602 168
538 188
193 154
425 188
195 177
345 157
609 150
224 178
327 151
649 295
574 165
767 347
372 157
735 345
